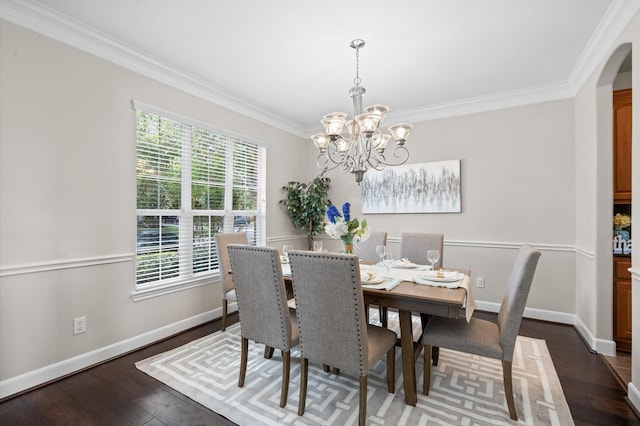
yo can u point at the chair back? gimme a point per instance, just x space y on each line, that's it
222 241
366 250
414 246
262 296
330 310
515 298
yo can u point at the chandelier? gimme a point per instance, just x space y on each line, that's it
365 145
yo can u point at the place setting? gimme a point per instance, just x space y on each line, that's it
440 278
373 279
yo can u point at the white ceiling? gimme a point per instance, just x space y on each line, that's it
290 59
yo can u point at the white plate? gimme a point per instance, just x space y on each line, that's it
441 280
374 280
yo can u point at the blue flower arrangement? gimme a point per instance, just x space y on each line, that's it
344 227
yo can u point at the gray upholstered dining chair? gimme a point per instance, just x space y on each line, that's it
228 292
414 246
262 306
366 250
486 338
333 328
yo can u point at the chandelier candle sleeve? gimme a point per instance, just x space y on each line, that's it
364 146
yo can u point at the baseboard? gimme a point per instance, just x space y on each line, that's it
69 366
533 313
634 397
601 346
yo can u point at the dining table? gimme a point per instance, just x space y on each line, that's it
409 290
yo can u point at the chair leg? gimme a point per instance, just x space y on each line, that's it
424 320
268 352
383 312
224 314
336 371
426 380
366 313
435 355
304 371
391 370
326 368
362 416
243 361
508 389
286 369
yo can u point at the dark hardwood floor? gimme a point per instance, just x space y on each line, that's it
116 393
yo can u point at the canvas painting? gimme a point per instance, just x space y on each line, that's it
432 187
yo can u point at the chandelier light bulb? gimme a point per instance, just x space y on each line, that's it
321 140
379 110
368 122
343 144
380 141
334 123
400 132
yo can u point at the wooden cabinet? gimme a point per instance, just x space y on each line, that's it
622 303
622 146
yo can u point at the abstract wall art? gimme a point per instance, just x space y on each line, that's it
432 187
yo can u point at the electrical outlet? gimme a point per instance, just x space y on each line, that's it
480 282
79 325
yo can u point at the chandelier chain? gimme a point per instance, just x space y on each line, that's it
357 80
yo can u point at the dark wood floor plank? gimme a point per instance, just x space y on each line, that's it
116 392
97 396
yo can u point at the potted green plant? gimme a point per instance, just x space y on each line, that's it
307 204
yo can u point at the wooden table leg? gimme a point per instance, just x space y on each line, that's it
408 361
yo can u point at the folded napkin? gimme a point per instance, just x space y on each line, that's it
403 262
386 284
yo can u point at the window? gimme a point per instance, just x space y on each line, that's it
192 182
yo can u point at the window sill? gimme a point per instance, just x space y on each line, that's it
168 288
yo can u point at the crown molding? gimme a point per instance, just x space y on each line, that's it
615 20
494 101
50 23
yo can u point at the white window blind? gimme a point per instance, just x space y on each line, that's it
192 182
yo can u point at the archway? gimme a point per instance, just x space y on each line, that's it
604 196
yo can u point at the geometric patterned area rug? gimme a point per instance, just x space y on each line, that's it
465 389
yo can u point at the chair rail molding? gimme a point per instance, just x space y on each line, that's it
500 245
55 265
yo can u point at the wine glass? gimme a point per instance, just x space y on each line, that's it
381 251
433 256
317 246
388 260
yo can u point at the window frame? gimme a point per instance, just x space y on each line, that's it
187 278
